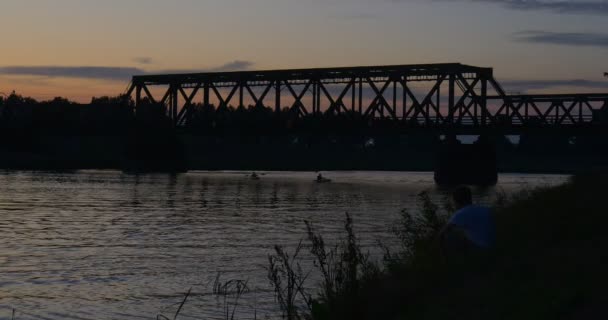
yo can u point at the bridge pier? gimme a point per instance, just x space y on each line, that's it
159 150
473 164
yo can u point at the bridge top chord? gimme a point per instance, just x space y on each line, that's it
414 70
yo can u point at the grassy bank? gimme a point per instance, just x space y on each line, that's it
550 263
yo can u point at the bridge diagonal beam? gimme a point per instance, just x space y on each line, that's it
380 95
231 95
508 102
520 105
539 114
259 102
186 109
438 115
568 112
465 108
547 113
428 100
338 103
224 102
340 100
132 88
485 113
418 107
329 97
589 107
148 94
298 97
525 117
373 108
165 98
470 89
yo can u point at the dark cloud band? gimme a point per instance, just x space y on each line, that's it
560 6
563 38
103 73
109 73
593 7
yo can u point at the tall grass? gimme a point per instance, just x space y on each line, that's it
417 231
355 287
344 269
230 292
287 278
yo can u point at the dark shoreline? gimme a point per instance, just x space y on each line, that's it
150 152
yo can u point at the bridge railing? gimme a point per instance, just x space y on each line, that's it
474 122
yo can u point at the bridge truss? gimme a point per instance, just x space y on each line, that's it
430 96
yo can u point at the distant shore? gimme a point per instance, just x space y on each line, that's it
190 152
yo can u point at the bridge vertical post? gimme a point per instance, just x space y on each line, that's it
206 88
314 97
451 97
138 95
174 102
354 94
404 106
318 93
484 102
240 84
360 95
394 111
428 107
277 101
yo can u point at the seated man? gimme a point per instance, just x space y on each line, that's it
471 230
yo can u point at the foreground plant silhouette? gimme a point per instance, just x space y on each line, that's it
343 268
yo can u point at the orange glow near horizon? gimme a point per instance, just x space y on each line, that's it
78 90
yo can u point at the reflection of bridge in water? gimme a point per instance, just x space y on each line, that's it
440 97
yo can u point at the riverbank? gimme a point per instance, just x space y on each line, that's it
547 265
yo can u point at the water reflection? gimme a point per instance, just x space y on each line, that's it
97 244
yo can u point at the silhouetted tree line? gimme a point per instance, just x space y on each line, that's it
118 116
104 115
110 132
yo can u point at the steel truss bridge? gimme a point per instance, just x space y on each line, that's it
432 96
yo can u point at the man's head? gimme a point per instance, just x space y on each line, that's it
462 197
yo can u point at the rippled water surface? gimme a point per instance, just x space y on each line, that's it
106 245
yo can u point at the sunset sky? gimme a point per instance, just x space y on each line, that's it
84 48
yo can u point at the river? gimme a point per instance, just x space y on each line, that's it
108 245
